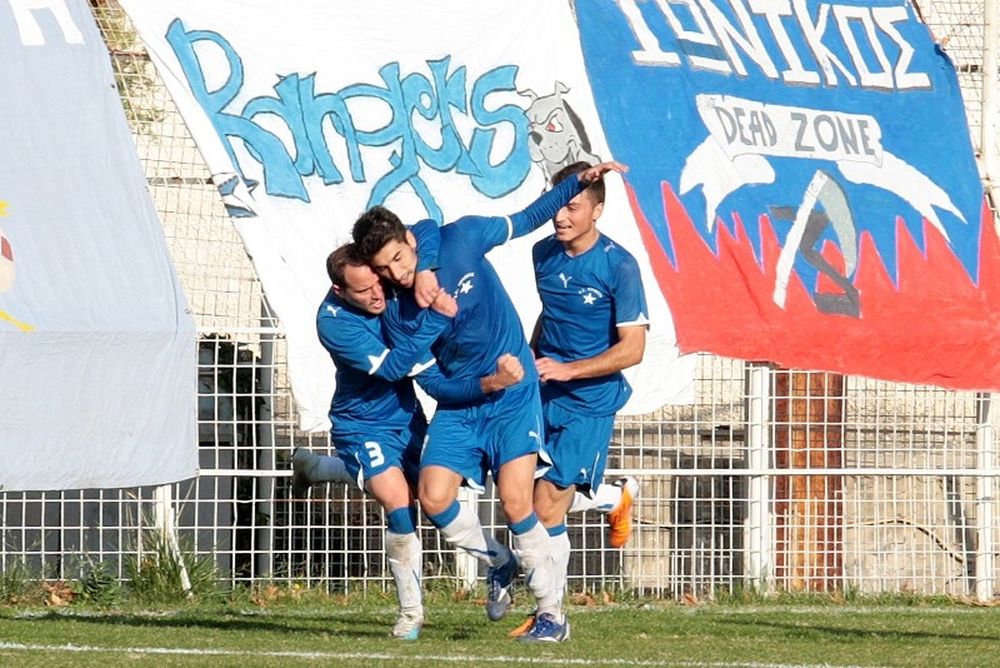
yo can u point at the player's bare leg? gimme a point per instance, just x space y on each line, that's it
458 524
402 546
531 541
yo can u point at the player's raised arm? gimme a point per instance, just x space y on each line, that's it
547 206
492 231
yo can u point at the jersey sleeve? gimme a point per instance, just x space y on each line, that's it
448 391
545 207
492 231
630 299
428 238
351 341
426 372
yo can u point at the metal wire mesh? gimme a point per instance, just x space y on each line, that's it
801 481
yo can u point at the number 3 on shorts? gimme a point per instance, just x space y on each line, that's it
375 457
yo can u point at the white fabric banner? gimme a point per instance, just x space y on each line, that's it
310 113
97 348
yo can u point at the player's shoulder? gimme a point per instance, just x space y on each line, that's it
335 310
547 246
616 255
468 223
613 250
329 307
463 228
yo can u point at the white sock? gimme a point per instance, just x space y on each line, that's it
406 564
533 548
560 560
465 532
604 499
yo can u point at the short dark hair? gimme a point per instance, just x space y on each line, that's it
374 229
344 256
595 187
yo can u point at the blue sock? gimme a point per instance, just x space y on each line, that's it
525 525
401 521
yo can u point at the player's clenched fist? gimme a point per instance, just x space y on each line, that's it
445 304
509 370
425 288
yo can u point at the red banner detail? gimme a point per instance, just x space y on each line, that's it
936 328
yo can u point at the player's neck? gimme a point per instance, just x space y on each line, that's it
582 243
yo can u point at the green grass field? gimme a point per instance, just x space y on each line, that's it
353 632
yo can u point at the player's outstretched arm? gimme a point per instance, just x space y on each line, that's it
458 391
591 174
352 342
547 206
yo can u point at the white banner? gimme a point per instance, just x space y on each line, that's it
97 348
310 112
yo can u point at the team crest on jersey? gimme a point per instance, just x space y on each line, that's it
590 295
465 284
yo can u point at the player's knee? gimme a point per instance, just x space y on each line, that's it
435 499
516 506
547 513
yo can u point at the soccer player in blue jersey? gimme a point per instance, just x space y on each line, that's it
592 326
378 426
501 433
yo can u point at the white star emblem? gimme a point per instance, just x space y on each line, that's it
589 298
465 286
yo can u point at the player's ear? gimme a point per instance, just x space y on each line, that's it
411 240
338 291
598 210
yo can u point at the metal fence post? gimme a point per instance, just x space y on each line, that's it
164 514
264 432
985 571
758 557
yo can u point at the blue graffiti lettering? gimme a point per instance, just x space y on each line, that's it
280 175
305 113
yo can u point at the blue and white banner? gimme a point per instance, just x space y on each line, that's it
97 349
311 111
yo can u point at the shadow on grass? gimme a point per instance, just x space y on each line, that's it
359 625
805 631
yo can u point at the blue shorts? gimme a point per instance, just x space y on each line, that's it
577 445
373 452
472 440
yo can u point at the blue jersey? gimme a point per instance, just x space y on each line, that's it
584 300
487 325
372 383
